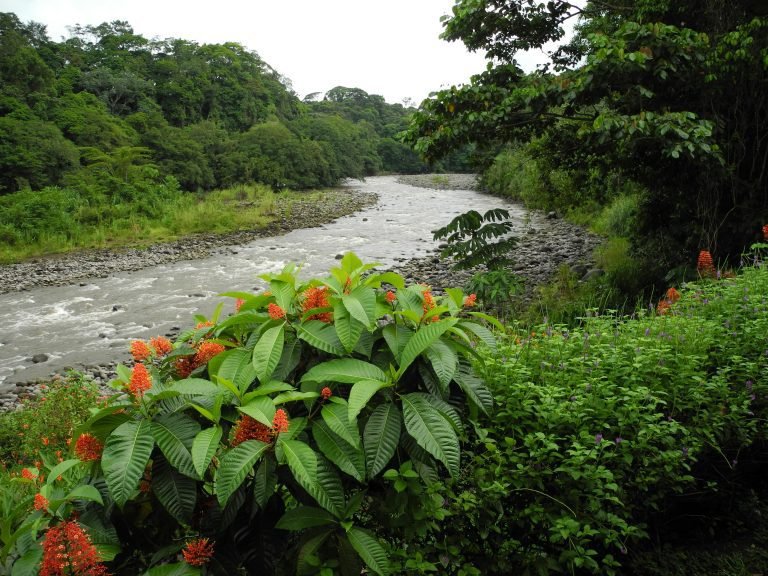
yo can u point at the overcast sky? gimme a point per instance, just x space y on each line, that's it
386 47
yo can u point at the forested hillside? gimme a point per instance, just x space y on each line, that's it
107 109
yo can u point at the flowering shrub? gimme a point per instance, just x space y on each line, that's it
269 431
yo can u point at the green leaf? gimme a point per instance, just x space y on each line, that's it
397 336
314 475
361 304
444 362
269 388
125 456
235 466
431 431
176 492
304 517
344 370
175 569
476 391
348 329
423 338
283 292
308 552
260 408
348 458
29 563
370 550
293 396
322 336
361 393
265 481
485 335
196 387
267 352
60 469
392 278
338 419
301 460
204 447
381 436
85 492
449 412
236 366
174 434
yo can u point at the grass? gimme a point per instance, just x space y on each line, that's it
243 207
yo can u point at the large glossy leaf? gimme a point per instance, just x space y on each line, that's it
475 389
361 304
195 387
322 336
397 337
381 436
260 408
315 475
337 418
283 292
348 329
204 447
235 466
290 358
175 569
303 517
305 561
176 492
267 352
485 335
125 456
361 393
29 563
236 366
348 458
269 388
370 550
265 481
450 413
420 341
174 434
85 492
431 431
344 370
60 469
444 362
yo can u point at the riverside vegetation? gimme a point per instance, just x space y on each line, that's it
331 424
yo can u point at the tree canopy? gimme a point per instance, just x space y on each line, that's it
671 95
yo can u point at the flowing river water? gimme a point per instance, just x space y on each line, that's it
92 323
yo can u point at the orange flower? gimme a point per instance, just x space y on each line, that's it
326 393
140 351
663 307
317 297
161 345
46 441
198 552
704 264
275 312
88 448
185 366
41 502
470 300
248 428
672 295
280 421
206 351
239 304
205 324
390 296
68 550
28 474
140 382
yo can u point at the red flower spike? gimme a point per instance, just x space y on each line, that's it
248 428
68 551
239 304
280 422
704 264
390 296
206 351
28 474
326 393
88 448
275 312
41 502
317 297
140 382
198 552
140 351
161 345
470 300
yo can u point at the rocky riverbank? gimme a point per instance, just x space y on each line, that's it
545 243
59 270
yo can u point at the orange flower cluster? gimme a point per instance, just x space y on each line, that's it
205 324
68 550
275 312
28 474
704 265
280 422
326 393
239 304
158 346
390 296
765 232
88 448
317 297
429 304
207 350
470 300
248 428
198 552
41 502
140 382
664 305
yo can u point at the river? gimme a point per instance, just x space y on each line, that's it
93 323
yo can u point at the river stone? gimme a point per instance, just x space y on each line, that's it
39 358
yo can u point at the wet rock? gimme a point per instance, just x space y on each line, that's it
118 307
39 358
